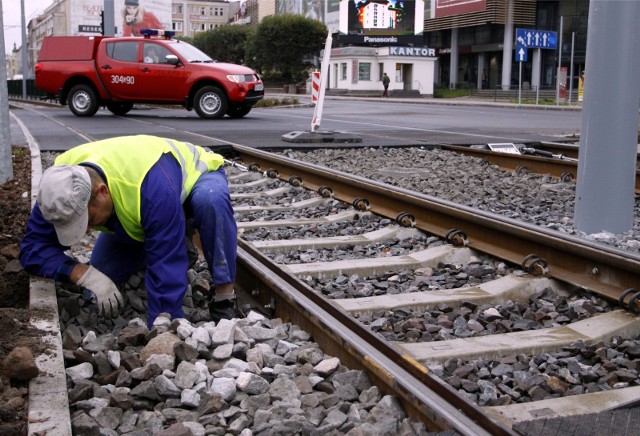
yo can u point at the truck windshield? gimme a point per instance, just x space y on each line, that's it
190 53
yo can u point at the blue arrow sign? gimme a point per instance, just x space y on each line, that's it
521 54
529 38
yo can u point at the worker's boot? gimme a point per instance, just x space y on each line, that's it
224 309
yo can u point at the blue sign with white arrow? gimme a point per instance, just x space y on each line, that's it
521 54
529 38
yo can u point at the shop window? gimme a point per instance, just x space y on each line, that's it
364 71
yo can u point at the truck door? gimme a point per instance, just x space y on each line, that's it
159 80
117 67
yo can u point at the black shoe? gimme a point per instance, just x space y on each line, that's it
224 309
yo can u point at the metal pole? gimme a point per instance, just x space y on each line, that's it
520 83
609 135
25 62
6 164
539 81
573 41
559 64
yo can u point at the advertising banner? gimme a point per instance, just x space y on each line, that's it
381 21
133 15
129 16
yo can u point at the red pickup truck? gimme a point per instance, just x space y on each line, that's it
87 72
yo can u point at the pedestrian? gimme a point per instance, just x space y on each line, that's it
136 18
385 83
143 193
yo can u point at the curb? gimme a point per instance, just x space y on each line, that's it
48 401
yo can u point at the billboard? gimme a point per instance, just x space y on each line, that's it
453 7
129 16
238 13
133 15
381 21
325 11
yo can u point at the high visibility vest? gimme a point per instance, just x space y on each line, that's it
126 161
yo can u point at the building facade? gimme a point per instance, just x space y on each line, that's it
189 17
473 40
476 47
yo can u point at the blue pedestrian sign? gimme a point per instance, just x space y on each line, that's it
529 38
521 54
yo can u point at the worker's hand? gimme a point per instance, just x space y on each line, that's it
108 298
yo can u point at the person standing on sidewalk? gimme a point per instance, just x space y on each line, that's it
385 83
142 192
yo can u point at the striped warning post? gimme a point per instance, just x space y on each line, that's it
315 86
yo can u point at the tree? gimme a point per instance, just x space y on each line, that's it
281 43
225 43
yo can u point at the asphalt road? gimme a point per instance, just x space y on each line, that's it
376 122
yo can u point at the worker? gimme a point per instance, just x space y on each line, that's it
141 192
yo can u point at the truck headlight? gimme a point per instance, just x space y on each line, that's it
236 78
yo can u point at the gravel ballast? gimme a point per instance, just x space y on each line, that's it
532 198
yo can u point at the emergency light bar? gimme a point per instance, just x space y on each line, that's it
147 33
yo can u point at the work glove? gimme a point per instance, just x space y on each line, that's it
108 298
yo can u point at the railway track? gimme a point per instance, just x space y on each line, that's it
407 255
540 262
557 160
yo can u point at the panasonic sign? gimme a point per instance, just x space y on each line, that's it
412 51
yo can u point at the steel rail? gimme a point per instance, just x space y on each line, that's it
565 149
601 269
423 396
562 169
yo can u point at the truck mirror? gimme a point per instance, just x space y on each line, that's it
172 59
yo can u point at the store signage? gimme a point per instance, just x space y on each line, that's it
412 51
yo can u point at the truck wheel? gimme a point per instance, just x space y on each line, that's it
83 101
238 111
119 108
210 102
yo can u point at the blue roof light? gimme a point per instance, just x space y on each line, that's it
147 33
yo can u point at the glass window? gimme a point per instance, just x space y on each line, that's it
176 25
364 71
123 51
154 53
343 71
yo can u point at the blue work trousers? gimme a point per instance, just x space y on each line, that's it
208 210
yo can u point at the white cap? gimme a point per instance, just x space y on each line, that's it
63 198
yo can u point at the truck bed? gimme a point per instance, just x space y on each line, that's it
69 48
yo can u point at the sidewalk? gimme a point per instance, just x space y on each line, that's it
458 101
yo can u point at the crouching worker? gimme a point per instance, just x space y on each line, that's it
139 191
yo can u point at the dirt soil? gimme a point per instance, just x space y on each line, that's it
15 329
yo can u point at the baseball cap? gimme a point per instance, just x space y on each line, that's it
63 198
131 2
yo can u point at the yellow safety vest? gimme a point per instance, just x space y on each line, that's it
126 161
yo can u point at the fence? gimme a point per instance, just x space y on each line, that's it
15 90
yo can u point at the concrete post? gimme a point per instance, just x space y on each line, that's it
482 57
609 134
507 51
453 59
109 18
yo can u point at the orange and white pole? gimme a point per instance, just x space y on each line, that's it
324 70
315 86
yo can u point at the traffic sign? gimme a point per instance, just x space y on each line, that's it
521 54
529 38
